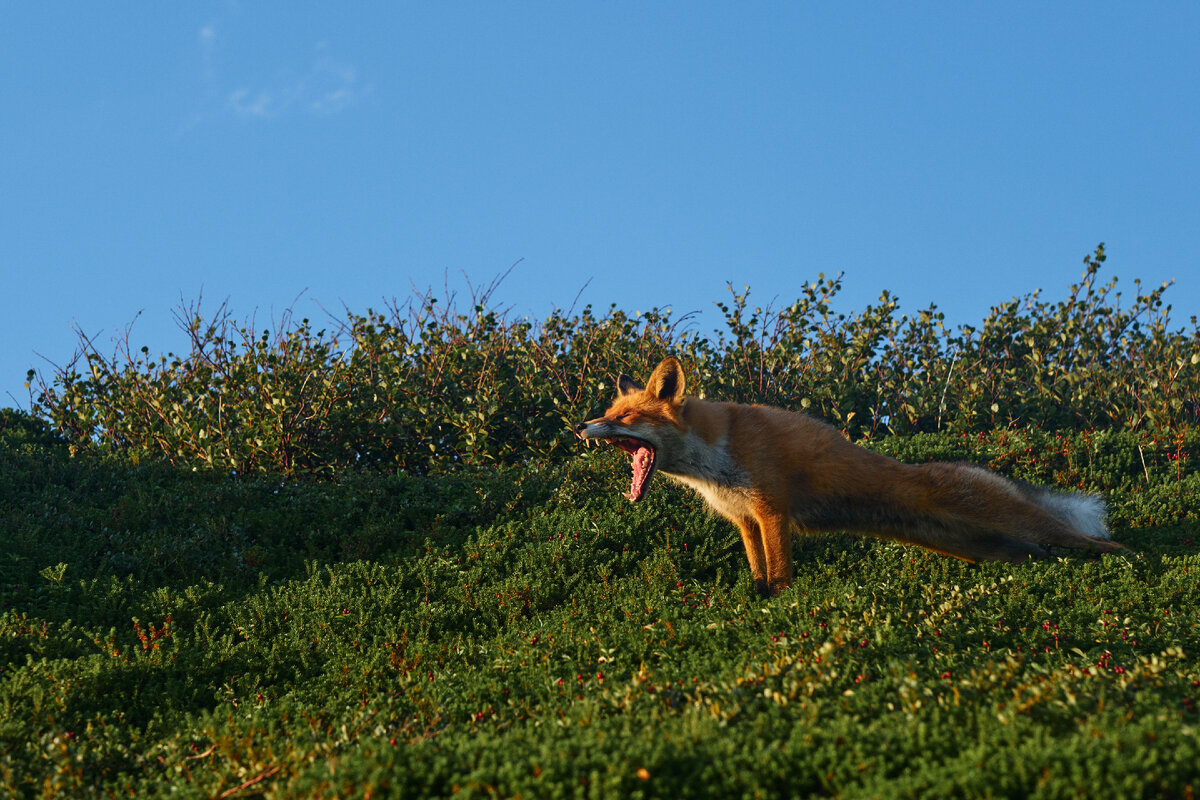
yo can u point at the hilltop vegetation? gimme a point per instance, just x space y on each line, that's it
426 387
287 567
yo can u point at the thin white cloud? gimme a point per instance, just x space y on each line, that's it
247 103
332 102
327 86
333 86
207 39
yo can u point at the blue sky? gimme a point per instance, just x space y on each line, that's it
957 153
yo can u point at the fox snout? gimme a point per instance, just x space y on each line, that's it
597 428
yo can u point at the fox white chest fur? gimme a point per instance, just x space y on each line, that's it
711 470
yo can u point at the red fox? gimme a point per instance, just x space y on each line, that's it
770 471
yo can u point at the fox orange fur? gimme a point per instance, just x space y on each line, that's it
771 471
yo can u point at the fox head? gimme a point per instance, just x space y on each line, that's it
644 421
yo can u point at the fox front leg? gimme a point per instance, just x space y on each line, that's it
755 553
776 531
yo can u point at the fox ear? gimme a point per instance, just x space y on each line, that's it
627 385
666 383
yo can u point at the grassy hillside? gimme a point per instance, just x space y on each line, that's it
526 631
374 562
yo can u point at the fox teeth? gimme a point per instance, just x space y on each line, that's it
643 468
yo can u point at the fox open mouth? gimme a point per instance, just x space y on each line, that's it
643 464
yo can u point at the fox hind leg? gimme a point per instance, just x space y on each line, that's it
973 545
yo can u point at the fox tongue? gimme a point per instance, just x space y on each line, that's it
643 462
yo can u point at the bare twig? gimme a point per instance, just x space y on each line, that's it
945 388
256 779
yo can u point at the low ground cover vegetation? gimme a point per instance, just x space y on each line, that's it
526 631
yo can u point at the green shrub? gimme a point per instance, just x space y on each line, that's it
426 387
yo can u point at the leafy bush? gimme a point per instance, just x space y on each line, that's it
424 387
19 430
